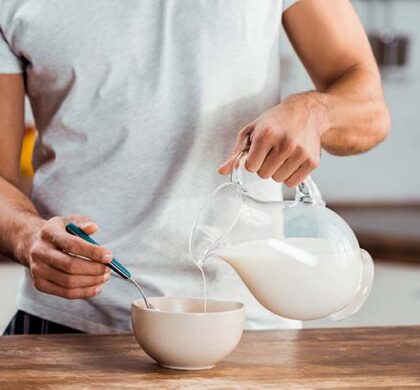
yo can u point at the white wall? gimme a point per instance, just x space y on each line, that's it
394 299
10 276
389 172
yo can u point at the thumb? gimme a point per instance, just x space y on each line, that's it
242 144
84 222
227 166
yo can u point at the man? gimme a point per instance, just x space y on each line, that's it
135 103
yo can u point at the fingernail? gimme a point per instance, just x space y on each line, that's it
98 290
107 276
87 224
223 169
108 257
223 165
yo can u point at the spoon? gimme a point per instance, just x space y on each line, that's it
115 265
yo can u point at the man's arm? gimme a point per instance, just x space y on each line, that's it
347 114
331 43
12 188
42 246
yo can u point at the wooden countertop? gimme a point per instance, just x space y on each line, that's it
306 359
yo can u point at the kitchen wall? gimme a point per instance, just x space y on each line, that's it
390 171
10 276
394 299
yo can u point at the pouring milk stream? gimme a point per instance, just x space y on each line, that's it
298 258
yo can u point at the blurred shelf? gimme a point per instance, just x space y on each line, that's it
387 231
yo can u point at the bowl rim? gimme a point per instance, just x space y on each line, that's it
139 304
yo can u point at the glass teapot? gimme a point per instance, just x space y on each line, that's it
298 258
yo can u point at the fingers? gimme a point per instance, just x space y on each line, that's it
300 174
49 287
84 222
42 252
263 141
55 233
242 144
227 166
291 165
45 271
275 159
276 153
281 141
65 265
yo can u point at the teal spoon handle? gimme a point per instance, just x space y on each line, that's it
115 265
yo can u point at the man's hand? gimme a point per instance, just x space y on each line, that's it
285 142
56 263
348 109
52 255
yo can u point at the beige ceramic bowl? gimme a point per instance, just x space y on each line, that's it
181 336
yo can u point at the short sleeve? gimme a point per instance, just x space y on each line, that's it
9 61
288 3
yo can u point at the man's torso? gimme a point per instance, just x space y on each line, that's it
136 104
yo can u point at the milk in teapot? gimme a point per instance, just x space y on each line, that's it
298 278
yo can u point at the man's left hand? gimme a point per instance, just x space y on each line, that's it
285 142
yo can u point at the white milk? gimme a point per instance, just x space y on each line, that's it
204 288
297 278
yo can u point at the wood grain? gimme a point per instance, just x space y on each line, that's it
370 358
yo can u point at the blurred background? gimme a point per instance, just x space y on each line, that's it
378 193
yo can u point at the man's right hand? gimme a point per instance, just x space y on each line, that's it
52 254
56 263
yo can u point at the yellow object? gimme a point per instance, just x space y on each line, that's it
27 151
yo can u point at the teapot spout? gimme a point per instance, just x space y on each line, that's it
227 259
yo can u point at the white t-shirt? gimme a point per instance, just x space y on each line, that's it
136 104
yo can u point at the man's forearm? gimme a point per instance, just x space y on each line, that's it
358 118
18 221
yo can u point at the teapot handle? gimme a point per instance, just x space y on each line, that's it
306 192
